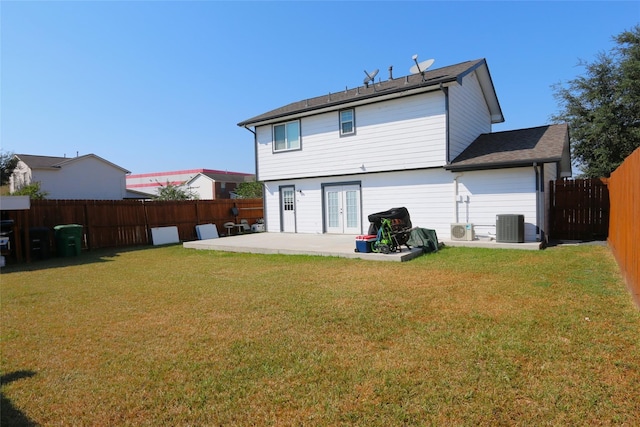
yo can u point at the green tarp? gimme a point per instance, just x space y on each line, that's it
423 238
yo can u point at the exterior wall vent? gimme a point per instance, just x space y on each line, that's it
510 228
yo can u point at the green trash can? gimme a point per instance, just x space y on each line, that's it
68 239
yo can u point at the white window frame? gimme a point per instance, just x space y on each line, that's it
343 122
288 145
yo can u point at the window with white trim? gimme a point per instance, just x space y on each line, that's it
286 136
347 122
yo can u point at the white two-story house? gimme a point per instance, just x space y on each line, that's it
422 141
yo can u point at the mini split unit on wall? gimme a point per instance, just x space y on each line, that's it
462 232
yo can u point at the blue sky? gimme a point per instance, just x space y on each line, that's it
159 86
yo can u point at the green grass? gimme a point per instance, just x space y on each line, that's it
171 336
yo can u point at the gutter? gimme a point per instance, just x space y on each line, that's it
445 91
255 156
498 165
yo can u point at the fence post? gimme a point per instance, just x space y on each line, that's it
146 222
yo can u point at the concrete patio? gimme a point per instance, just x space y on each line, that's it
338 245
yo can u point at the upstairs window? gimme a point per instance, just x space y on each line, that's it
347 122
286 136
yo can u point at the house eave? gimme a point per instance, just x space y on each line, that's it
385 95
488 90
499 165
381 91
85 156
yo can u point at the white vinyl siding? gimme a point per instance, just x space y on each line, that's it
486 194
203 186
86 178
426 194
468 115
429 195
406 133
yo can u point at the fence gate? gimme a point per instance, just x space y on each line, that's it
579 209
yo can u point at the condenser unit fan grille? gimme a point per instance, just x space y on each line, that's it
458 231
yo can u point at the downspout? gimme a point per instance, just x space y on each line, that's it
455 198
255 156
445 91
255 148
536 168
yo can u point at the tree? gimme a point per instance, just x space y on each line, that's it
174 192
32 190
8 162
249 190
602 107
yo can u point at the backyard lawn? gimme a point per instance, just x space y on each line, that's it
174 336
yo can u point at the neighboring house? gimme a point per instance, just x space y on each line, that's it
207 184
420 141
137 195
88 177
217 184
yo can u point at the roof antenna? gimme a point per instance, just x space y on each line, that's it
370 77
421 67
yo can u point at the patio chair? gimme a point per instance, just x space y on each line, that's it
229 226
246 228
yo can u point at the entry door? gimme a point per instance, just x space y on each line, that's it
342 209
288 209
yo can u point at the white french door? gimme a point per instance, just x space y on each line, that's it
288 209
342 209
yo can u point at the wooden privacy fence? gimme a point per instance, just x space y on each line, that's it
579 209
119 223
624 226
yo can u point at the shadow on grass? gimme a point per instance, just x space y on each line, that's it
9 414
557 242
85 257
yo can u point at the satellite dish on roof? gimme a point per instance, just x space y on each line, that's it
370 76
421 67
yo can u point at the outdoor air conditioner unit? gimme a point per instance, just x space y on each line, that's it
462 232
510 228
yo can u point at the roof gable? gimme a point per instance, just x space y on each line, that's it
522 147
401 86
193 172
221 176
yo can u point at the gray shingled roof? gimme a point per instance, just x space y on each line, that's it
431 78
40 162
522 147
45 162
